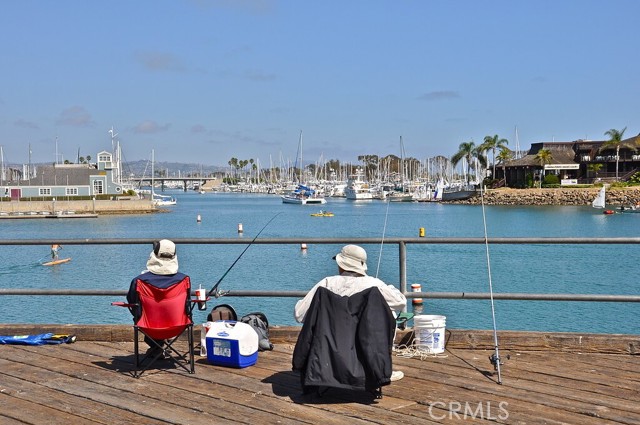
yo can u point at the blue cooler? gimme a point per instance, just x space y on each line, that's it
232 344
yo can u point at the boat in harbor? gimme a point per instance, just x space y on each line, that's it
600 199
157 199
303 195
163 200
397 196
459 192
357 188
401 192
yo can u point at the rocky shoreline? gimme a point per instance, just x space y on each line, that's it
625 196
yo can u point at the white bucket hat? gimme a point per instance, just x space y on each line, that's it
352 258
163 259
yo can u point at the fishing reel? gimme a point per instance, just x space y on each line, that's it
218 293
494 359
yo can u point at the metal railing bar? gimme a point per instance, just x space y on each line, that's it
298 240
300 294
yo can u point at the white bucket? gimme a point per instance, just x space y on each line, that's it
429 332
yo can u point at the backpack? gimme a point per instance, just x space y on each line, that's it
222 312
258 321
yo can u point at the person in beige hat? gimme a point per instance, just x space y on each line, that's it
352 278
161 272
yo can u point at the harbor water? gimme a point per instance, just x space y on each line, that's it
539 268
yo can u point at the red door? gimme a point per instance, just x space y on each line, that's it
15 194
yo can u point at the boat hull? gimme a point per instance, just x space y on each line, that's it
458 195
301 201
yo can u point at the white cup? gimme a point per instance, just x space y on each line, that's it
201 295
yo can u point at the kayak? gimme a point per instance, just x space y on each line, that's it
322 214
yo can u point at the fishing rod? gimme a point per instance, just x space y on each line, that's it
214 291
384 229
495 357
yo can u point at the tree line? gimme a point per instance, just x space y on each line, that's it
474 156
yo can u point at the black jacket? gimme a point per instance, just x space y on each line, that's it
345 342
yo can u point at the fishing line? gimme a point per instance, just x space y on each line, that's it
495 358
384 229
214 290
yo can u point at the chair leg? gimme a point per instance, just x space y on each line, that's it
175 356
193 367
136 351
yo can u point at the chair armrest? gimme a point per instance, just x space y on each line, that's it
123 304
195 300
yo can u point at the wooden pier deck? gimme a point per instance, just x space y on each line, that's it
546 379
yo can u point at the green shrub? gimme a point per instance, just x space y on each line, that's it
551 179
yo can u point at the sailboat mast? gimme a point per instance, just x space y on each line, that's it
301 160
29 166
152 171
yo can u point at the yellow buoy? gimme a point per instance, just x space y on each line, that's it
422 232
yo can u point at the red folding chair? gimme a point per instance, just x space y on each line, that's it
166 315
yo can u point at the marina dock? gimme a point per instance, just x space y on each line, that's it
546 378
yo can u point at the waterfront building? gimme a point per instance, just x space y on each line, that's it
67 180
577 162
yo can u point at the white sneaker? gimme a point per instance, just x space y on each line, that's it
397 375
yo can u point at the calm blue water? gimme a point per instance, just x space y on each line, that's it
599 269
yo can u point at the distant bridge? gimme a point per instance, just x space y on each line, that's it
163 180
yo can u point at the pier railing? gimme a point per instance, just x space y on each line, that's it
400 243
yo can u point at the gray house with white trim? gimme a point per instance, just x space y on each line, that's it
67 181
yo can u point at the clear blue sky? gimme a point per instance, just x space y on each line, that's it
202 81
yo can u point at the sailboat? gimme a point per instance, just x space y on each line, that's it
157 199
303 194
403 195
599 201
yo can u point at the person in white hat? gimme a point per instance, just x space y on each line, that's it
161 272
353 278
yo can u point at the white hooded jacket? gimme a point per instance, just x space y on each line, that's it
348 284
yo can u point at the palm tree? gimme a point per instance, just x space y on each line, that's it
615 141
233 164
491 143
543 157
595 168
505 155
469 151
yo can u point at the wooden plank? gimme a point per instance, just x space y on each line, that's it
185 399
549 397
91 381
42 397
25 411
455 338
246 379
155 402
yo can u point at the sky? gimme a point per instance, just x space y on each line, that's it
204 81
